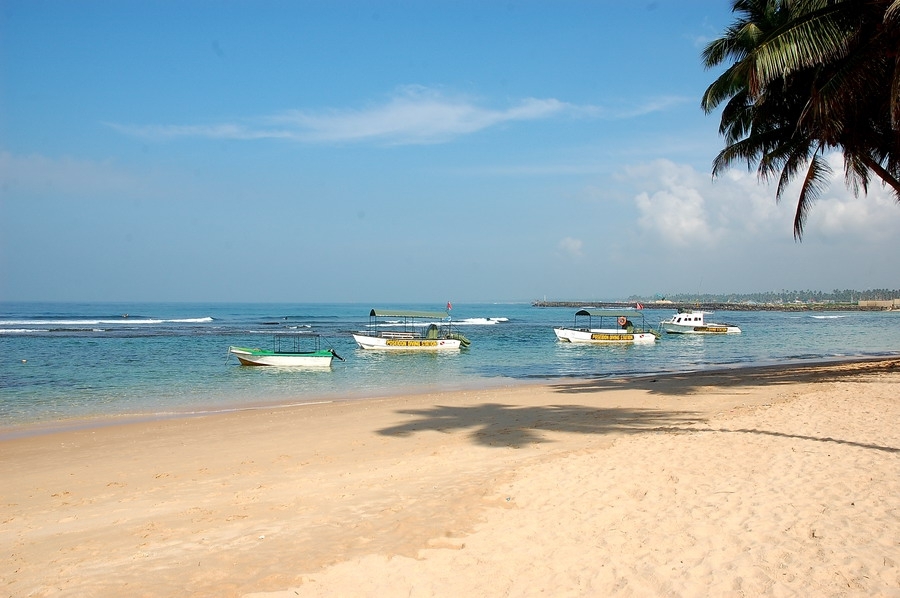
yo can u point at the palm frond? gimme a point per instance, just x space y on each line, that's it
804 77
729 83
892 12
856 173
792 157
804 41
813 185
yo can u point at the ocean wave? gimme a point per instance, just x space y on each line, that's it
831 317
203 320
24 330
424 323
77 330
300 330
96 322
281 329
479 321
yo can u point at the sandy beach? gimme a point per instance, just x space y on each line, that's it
779 481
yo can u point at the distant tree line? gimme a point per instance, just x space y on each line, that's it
784 296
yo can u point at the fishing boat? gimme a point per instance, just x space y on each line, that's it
607 326
400 330
288 351
693 322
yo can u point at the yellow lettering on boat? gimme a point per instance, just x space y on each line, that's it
410 343
710 329
612 337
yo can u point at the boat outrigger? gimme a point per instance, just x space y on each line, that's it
692 322
287 352
607 326
409 330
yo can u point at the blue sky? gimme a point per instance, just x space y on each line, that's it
390 152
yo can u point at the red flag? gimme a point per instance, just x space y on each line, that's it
449 307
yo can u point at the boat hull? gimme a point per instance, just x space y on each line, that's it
405 344
708 328
603 336
318 359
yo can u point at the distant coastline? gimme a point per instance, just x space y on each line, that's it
722 305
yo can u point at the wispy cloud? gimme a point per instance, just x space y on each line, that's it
571 247
416 115
660 104
412 115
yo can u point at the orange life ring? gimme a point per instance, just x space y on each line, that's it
622 320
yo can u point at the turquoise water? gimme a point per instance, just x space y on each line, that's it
65 361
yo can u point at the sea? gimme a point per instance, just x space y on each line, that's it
64 364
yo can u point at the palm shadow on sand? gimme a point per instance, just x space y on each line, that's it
683 384
500 425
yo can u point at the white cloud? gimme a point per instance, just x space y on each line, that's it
674 204
683 207
412 115
836 217
415 115
678 215
871 216
659 104
571 247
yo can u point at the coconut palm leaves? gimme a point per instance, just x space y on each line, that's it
808 77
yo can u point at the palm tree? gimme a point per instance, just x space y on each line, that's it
808 77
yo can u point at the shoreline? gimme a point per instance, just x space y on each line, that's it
763 481
41 428
209 409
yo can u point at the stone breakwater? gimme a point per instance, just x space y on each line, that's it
713 306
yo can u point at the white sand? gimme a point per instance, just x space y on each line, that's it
775 482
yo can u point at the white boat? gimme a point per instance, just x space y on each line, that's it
607 326
693 322
287 352
401 330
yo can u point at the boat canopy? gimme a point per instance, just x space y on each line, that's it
300 333
393 313
609 313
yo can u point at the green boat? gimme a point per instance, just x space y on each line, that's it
288 351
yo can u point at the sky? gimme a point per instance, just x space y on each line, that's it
376 152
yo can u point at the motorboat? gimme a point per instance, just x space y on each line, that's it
693 322
607 326
289 350
403 330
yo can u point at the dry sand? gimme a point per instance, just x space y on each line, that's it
754 482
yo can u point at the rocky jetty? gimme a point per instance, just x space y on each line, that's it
715 306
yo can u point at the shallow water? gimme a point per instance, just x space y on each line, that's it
62 361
